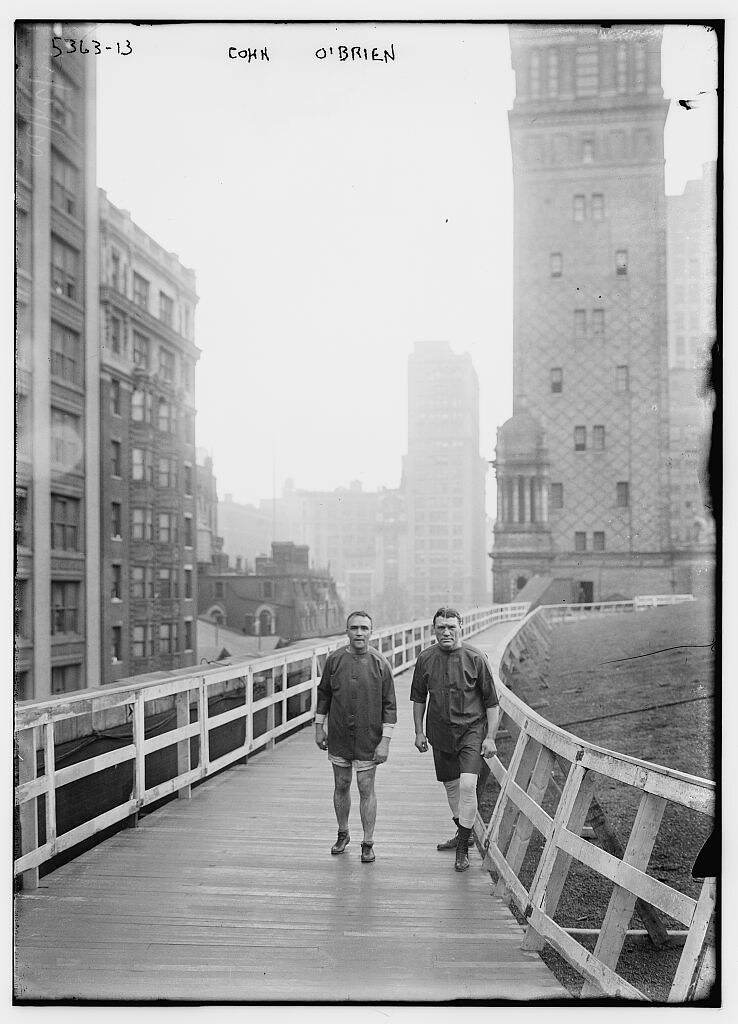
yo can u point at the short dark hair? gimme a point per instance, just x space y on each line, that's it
359 612
446 613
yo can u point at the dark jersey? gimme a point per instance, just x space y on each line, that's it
358 694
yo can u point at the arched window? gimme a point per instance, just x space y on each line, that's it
265 622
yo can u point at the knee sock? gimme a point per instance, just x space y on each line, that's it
452 795
467 799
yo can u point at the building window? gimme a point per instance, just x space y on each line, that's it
188 584
65 102
64 184
166 364
141 465
267 589
579 208
598 324
167 638
116 644
140 350
166 309
622 494
557 380
21 517
65 270
598 206
621 262
65 678
116 579
167 528
557 495
140 291
141 403
580 439
580 541
598 437
187 478
114 334
553 72
164 420
115 397
115 276
65 523
167 476
64 607
219 589
20 608
588 151
598 541
535 74
586 71
622 382
580 324
66 439
168 583
188 538
65 354
115 520
188 635
115 460
142 524
142 641
556 264
142 585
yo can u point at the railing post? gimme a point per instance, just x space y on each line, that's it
139 768
202 701
26 751
249 737
182 703
689 960
269 745
284 692
50 772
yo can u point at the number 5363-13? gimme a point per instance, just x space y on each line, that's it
83 46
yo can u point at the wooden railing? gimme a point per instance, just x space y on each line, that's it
543 751
274 695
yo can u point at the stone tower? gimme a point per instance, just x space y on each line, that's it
588 501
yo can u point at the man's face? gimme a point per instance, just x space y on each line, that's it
448 632
358 631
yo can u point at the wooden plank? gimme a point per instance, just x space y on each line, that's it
26 754
698 926
182 708
622 901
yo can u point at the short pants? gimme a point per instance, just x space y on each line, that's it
359 766
467 757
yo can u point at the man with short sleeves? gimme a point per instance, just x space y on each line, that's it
356 695
455 681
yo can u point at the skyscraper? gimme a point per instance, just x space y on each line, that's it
583 464
444 481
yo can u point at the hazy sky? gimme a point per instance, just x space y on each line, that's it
335 213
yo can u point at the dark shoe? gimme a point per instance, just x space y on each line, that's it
367 853
450 844
462 849
341 843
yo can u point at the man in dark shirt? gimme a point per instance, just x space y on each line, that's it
357 695
463 713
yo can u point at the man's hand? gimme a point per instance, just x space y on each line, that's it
320 737
421 742
382 752
489 747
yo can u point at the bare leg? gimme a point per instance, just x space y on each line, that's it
367 802
342 796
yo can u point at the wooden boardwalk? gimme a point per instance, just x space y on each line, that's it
233 896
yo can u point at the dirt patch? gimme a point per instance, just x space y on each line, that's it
640 684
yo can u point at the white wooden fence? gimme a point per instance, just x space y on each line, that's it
541 750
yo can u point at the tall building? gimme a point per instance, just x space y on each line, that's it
58 562
148 458
583 464
444 481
